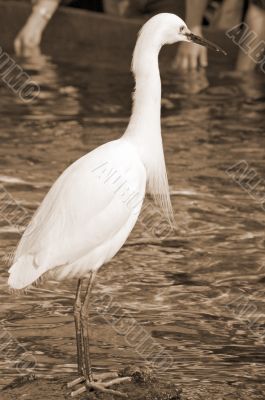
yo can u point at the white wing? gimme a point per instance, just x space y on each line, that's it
87 214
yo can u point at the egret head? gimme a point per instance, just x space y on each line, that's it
172 29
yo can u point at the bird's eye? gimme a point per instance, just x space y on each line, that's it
181 29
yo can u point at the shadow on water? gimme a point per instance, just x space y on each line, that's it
198 293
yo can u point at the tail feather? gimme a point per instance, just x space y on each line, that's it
24 272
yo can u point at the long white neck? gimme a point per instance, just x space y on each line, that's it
144 128
147 96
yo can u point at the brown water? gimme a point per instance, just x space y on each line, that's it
199 293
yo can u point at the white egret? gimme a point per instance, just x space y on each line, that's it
92 207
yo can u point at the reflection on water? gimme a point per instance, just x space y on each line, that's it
200 292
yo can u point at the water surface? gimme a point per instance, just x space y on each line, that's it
199 292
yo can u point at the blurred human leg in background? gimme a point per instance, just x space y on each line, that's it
255 20
230 14
29 37
189 55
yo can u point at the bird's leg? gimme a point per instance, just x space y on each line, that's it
82 334
85 329
97 381
79 336
78 328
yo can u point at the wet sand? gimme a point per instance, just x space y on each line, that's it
143 386
33 389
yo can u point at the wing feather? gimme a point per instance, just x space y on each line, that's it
84 208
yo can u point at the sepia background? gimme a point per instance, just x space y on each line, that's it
198 290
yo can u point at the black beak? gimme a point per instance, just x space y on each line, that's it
204 42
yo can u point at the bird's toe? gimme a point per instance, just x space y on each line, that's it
100 384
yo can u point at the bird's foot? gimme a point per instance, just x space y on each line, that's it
100 384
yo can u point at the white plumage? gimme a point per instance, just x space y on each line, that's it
83 220
92 207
